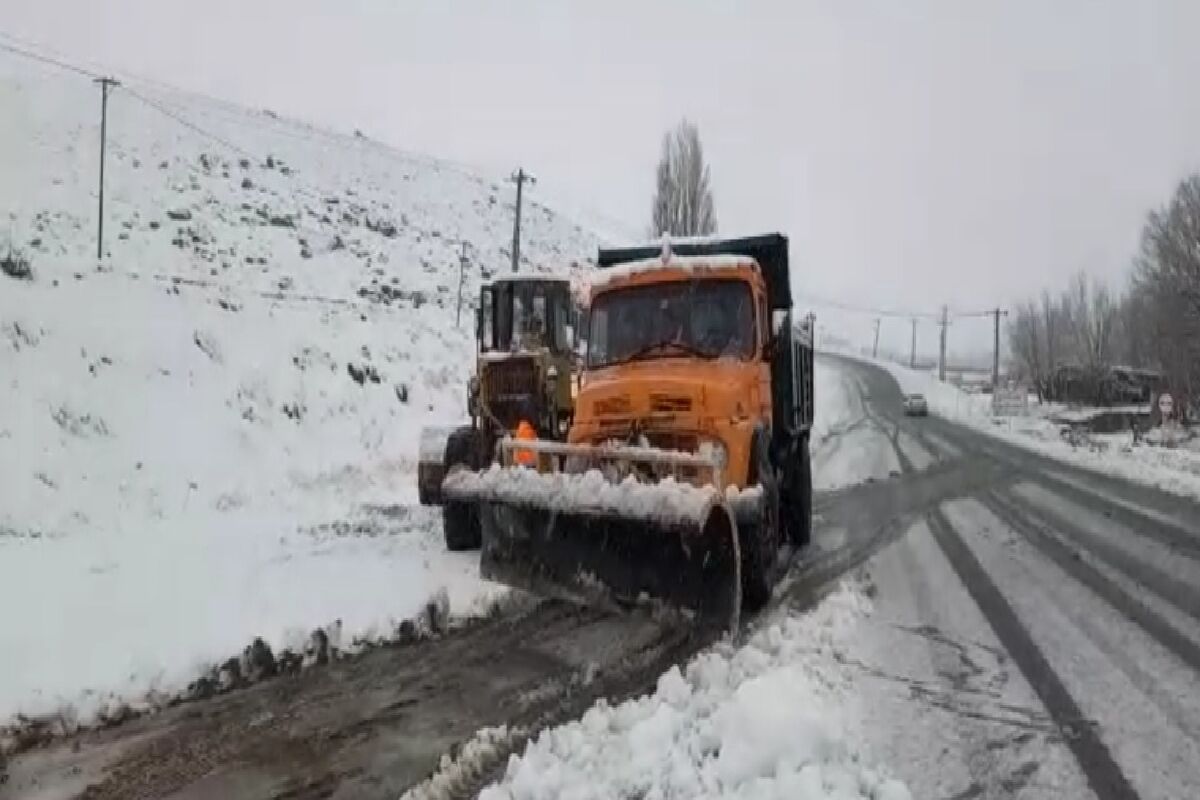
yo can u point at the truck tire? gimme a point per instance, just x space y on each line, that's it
796 505
759 543
800 513
460 521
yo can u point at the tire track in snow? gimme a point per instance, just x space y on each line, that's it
1037 534
1150 682
1144 524
1103 773
1169 587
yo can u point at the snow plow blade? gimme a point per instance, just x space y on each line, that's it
669 547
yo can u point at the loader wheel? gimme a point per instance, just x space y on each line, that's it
460 521
759 543
460 524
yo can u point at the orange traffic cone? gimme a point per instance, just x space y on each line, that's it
526 431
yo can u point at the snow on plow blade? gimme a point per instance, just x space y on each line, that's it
590 539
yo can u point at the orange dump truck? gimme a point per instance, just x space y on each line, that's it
685 479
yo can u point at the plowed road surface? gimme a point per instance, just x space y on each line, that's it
1036 634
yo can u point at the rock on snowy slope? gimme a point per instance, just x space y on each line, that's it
764 720
189 461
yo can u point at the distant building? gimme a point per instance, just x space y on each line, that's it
1111 386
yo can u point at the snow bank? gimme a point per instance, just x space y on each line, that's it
764 720
1172 470
665 502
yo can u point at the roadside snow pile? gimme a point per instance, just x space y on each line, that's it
667 501
766 720
212 437
1175 470
838 405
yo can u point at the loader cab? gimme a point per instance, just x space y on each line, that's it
526 315
525 332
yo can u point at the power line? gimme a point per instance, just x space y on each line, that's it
282 125
862 309
54 62
181 120
187 123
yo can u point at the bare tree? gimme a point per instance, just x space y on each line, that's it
1168 277
1051 316
1026 344
683 203
1093 314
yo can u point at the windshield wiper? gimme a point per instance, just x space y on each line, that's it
643 352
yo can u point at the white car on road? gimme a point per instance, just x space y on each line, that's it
915 405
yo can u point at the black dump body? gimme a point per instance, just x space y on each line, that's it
792 359
770 250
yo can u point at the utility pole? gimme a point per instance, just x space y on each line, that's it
106 84
996 352
519 177
942 357
875 349
462 271
912 359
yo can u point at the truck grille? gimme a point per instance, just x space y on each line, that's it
611 406
511 379
668 403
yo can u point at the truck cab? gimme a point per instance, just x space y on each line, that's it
678 358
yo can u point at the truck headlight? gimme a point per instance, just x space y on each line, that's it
714 449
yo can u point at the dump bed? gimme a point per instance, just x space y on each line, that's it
770 250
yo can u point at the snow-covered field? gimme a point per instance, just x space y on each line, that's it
773 718
1175 470
212 437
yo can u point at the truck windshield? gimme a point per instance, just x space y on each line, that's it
707 319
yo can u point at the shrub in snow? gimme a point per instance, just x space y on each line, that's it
15 264
383 227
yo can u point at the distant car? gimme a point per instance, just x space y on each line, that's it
915 405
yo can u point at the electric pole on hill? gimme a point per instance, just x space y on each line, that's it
519 177
912 359
106 84
462 272
942 355
875 349
996 352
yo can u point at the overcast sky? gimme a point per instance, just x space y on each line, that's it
917 152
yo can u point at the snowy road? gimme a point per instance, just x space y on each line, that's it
1037 627
1035 633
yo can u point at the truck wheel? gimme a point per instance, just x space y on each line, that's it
460 521
801 511
759 543
796 509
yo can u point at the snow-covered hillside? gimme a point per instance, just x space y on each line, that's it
212 435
